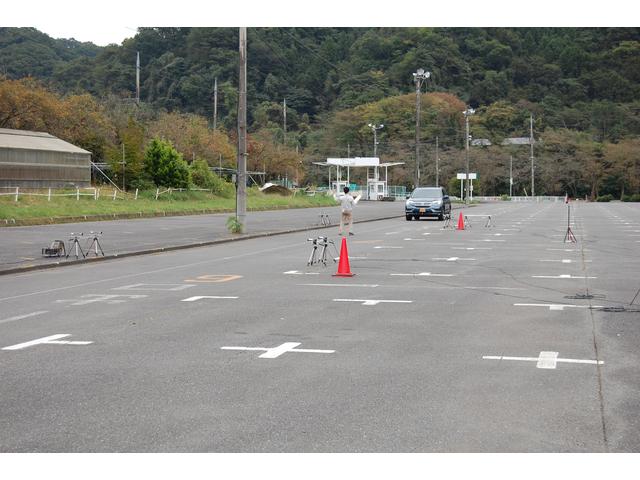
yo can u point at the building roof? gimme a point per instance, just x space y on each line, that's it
26 140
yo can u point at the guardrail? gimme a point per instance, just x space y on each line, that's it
541 198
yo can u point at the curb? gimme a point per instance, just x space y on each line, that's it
115 256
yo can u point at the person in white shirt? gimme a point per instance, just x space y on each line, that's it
346 204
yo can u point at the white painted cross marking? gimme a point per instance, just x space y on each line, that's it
555 306
559 276
51 340
422 274
275 352
20 317
296 272
96 298
370 302
546 360
200 297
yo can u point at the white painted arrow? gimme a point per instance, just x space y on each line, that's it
370 302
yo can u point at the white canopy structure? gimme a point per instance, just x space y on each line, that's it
376 188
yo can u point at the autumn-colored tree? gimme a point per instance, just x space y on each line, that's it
26 105
191 136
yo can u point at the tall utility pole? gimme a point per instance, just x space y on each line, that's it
241 176
138 78
510 175
375 129
284 121
418 77
467 113
215 104
123 167
437 165
533 183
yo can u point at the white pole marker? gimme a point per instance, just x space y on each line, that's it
51 340
275 352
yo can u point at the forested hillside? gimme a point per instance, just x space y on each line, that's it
581 86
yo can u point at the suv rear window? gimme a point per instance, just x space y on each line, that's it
426 193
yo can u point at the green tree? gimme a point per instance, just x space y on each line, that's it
165 166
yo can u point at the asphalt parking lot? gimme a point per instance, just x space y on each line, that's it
492 339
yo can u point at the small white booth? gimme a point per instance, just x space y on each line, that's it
376 187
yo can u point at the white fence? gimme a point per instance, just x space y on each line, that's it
114 194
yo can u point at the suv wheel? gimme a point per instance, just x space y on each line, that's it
409 217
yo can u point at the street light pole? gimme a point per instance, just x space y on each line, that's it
418 77
533 184
467 113
375 129
241 190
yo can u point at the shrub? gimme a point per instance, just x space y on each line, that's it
234 225
505 198
604 198
635 197
202 177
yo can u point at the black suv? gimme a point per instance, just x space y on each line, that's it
427 202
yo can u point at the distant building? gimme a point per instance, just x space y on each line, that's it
517 141
40 160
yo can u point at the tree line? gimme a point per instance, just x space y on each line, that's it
580 85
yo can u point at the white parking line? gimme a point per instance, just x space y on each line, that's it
422 274
158 287
20 317
296 272
453 259
564 260
382 246
559 276
472 248
339 285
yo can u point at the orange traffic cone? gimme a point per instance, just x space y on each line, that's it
460 222
343 266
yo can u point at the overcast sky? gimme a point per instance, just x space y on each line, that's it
103 22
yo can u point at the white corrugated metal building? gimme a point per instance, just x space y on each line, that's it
40 160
